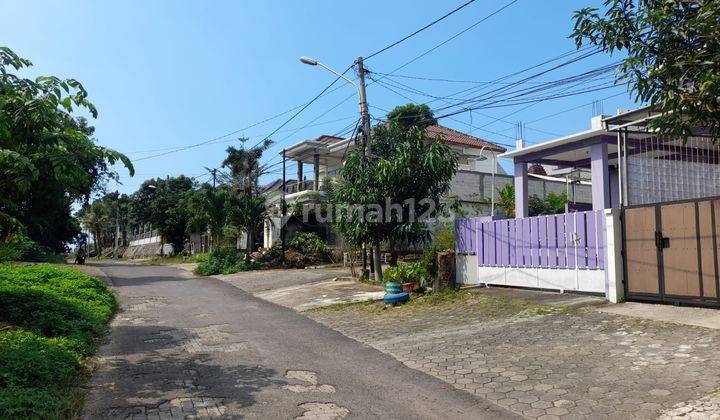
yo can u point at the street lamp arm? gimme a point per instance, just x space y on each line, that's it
340 75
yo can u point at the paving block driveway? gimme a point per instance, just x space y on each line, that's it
576 364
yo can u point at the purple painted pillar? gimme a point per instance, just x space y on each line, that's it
521 189
600 176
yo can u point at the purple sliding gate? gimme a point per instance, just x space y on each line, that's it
566 241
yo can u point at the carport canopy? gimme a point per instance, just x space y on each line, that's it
595 149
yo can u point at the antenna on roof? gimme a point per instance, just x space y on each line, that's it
519 130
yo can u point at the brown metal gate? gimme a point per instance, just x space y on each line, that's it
670 252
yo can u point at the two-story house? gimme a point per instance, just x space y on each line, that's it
309 162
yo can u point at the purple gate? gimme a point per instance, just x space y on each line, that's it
571 240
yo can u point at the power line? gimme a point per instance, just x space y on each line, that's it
462 6
454 36
305 106
249 137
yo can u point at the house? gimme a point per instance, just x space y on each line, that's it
478 175
651 233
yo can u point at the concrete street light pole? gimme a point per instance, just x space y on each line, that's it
364 113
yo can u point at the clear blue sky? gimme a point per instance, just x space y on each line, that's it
167 73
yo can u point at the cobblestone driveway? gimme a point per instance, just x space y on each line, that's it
580 364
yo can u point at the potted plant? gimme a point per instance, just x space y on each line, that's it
401 276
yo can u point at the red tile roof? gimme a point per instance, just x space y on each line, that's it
450 136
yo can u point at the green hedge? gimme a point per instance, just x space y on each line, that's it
49 323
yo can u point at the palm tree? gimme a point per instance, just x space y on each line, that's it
246 210
247 213
209 210
96 219
244 164
506 199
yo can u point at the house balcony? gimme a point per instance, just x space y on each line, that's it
303 192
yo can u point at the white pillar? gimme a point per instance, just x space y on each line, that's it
614 288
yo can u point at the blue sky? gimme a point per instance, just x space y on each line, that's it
166 74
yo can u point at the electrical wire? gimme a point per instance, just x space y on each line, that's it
462 6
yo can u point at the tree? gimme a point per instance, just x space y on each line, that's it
673 56
48 158
390 196
163 204
246 209
208 210
247 213
552 204
244 164
506 199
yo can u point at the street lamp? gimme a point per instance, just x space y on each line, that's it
360 86
311 62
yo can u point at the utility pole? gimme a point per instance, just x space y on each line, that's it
375 259
363 105
214 174
283 210
117 228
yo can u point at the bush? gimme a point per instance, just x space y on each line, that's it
21 248
309 243
225 261
54 316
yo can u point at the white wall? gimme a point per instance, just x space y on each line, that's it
607 281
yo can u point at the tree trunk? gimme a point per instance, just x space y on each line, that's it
377 263
393 254
248 245
98 246
445 279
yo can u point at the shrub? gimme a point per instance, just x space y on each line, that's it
309 243
21 248
225 261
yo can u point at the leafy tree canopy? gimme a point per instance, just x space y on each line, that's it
48 158
673 55
162 202
406 170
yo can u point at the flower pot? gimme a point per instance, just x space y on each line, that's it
408 287
392 287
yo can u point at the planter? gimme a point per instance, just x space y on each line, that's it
408 287
392 287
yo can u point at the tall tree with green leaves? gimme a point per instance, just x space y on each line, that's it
672 58
247 213
162 202
390 197
48 158
208 210
246 210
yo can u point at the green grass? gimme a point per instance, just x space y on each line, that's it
461 301
50 321
175 259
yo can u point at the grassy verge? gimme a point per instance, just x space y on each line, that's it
490 307
50 321
175 259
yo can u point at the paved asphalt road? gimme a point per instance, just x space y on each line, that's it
184 346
